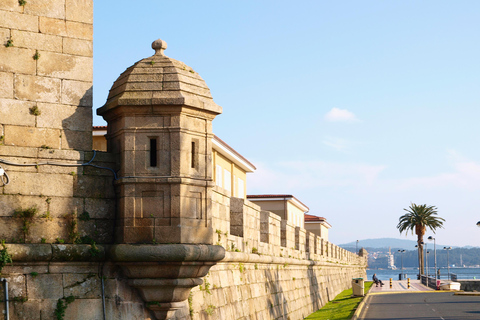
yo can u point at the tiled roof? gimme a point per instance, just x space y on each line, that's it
272 196
309 217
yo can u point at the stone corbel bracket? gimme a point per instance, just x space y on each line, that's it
164 274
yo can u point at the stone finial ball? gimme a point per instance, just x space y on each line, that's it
159 46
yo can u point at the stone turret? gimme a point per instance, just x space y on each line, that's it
159 113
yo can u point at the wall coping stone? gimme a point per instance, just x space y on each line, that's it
166 252
256 258
117 253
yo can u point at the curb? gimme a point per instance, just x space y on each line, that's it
362 303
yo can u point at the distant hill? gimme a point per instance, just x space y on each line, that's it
387 242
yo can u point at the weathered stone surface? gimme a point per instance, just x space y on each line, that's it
79 30
65 66
13 59
32 137
100 208
10 5
30 252
73 267
79 140
21 112
84 309
16 20
37 41
83 286
4 36
10 203
41 184
60 116
52 26
46 286
77 93
48 230
6 89
36 88
78 47
79 10
46 8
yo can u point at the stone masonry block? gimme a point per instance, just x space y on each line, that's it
46 8
30 310
40 184
16 286
46 286
15 20
10 203
36 41
83 286
65 66
79 30
10 229
50 230
78 47
17 60
32 137
100 208
79 140
77 93
10 5
37 88
80 10
60 116
4 36
52 26
6 89
16 112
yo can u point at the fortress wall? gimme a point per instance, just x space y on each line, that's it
262 279
36 287
46 72
250 286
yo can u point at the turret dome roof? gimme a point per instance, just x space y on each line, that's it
160 80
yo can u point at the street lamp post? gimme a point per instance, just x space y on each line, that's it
426 260
435 253
401 255
448 264
427 266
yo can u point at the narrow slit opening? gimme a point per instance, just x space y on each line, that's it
153 152
193 164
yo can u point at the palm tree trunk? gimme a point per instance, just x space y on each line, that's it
420 231
420 257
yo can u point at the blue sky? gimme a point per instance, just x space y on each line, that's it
357 108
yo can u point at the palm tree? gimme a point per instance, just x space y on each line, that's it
419 218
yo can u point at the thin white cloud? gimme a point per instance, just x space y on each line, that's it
306 175
338 144
340 115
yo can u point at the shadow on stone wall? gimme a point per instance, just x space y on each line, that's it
278 304
77 128
315 290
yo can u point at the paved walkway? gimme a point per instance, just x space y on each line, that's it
399 286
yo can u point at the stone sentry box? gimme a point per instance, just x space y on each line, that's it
159 114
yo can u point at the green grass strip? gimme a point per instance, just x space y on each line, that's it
341 308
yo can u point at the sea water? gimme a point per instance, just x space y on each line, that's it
386 274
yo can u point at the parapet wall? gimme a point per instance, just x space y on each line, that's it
272 270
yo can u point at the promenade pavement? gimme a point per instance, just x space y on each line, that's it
399 286
418 302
